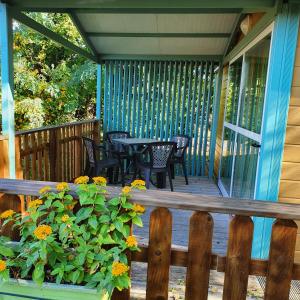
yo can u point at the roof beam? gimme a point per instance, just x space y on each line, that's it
132 5
216 58
158 34
50 34
83 34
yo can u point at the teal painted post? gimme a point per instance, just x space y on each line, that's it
106 96
132 121
176 128
167 120
207 113
99 92
281 65
215 113
140 132
183 100
120 84
163 109
140 100
153 100
173 114
110 97
146 131
158 102
192 116
124 111
8 120
200 103
114 114
129 97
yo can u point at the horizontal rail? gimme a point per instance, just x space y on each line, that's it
55 126
179 258
175 200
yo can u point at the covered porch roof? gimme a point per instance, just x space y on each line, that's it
148 29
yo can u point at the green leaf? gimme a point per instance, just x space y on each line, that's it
59 205
93 222
38 273
119 225
114 201
6 251
137 221
83 214
99 200
104 219
74 276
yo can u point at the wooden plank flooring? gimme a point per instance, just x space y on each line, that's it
197 185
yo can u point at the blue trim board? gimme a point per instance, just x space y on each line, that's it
8 120
281 65
99 90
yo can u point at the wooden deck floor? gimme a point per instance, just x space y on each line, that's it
197 185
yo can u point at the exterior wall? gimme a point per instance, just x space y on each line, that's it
290 174
218 150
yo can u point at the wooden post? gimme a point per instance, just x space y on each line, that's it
52 154
4 162
238 258
159 254
199 256
96 131
19 169
281 260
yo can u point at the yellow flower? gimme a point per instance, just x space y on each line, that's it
65 218
118 268
82 180
42 231
126 190
131 241
62 186
7 214
2 265
138 208
35 203
138 183
45 189
100 180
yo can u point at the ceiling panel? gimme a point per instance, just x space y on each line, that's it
159 46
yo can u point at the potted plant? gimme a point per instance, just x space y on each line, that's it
70 250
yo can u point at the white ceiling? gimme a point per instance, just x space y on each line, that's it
158 23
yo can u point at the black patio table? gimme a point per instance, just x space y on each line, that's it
131 142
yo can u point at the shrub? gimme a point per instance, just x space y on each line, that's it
65 241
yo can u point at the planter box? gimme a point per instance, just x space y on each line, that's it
22 289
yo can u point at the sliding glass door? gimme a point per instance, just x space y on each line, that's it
247 79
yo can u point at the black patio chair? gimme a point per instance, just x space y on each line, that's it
155 159
118 150
98 159
182 143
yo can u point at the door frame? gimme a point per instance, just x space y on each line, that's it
235 128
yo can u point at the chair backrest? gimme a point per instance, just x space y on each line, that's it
182 142
111 135
161 153
90 149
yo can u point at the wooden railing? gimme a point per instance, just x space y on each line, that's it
54 153
199 259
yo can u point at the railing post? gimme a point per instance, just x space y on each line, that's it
281 260
96 131
52 154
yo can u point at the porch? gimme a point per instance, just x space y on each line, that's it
172 69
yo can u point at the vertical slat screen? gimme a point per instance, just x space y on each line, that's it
160 99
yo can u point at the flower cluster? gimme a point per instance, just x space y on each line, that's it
100 180
35 203
82 180
42 232
62 186
45 189
65 218
7 214
138 183
131 241
138 208
126 190
119 268
2 265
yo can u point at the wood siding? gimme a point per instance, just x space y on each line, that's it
218 150
290 174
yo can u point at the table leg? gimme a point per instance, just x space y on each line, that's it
161 180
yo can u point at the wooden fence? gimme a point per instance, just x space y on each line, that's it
54 153
198 258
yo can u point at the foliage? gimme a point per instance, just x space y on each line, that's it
81 243
62 81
